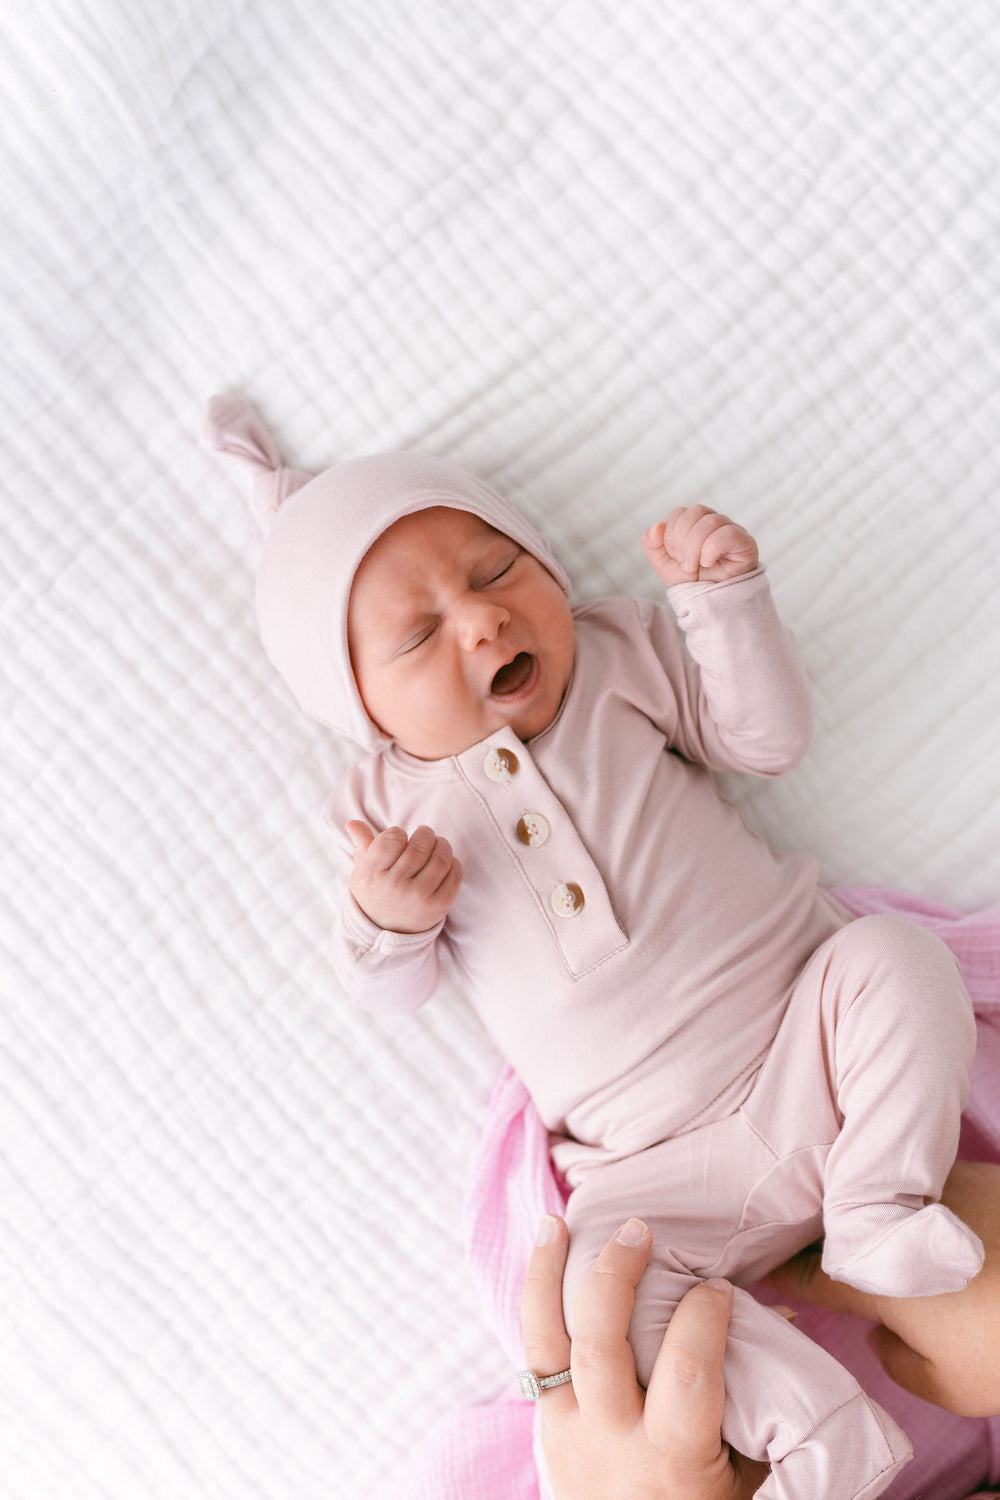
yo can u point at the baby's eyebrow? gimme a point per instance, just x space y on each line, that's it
495 544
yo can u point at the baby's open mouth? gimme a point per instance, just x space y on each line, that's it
512 677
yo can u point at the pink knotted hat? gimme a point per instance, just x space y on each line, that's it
317 528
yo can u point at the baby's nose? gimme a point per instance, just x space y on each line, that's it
480 621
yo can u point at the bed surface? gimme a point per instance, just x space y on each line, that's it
613 257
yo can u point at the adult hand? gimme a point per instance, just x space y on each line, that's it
602 1434
945 1349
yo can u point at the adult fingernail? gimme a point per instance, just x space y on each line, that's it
718 1283
547 1230
632 1233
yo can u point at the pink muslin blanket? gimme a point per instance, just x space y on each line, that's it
487 1452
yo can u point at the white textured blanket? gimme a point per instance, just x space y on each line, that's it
613 255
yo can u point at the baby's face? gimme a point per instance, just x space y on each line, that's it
455 631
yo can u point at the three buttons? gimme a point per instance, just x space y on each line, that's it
532 829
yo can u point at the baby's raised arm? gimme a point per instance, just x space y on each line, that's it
403 884
740 696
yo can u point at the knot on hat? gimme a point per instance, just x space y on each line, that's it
233 426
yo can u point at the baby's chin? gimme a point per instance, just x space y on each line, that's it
525 725
524 717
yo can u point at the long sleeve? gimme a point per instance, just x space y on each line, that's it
380 970
741 690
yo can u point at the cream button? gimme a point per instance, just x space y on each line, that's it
532 829
567 899
500 765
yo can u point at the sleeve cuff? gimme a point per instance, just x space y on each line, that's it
374 939
680 593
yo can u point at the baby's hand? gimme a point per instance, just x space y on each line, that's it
403 884
695 544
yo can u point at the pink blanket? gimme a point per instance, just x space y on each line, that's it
487 1452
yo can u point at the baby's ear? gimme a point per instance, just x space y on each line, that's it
233 426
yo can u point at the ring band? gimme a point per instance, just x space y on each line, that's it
533 1385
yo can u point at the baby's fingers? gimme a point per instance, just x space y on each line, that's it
728 540
419 849
448 889
360 835
385 849
691 538
652 538
678 526
436 866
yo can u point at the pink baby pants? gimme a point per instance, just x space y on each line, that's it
848 1131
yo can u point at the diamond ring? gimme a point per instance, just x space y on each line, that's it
533 1385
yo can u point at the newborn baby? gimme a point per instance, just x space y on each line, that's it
711 1040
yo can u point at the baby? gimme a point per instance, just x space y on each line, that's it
711 1040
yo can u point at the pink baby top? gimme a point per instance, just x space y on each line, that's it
615 912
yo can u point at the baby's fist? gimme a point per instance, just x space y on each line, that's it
403 884
696 545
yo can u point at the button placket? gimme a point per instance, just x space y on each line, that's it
549 852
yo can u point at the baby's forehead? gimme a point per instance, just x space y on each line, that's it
444 530
443 521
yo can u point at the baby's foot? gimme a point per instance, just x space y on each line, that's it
918 1253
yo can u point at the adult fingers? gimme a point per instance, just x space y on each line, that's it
546 1342
603 1363
687 1394
905 1366
954 1381
803 1278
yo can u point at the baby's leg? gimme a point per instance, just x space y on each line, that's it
897 1039
788 1402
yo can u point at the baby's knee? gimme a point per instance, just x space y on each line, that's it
887 949
894 938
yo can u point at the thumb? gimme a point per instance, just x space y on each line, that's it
359 834
904 1365
803 1278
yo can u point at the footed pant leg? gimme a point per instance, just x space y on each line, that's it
788 1402
900 1039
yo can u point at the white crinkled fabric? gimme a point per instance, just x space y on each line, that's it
613 257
